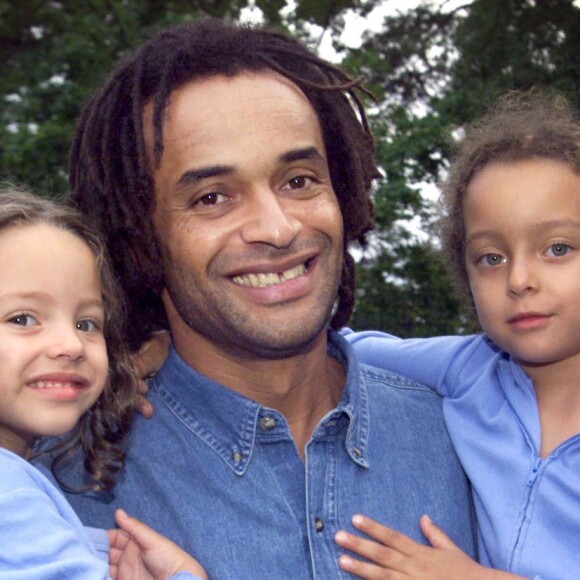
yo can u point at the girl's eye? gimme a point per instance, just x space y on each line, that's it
491 260
23 320
87 325
557 250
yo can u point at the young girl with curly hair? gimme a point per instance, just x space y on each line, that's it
64 373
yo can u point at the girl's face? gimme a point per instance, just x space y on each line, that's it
53 357
522 227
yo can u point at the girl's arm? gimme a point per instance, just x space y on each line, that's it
38 540
394 556
434 362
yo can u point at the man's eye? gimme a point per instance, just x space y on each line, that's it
87 325
23 320
299 182
211 199
557 250
491 260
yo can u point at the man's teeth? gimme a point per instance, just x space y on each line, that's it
263 280
50 385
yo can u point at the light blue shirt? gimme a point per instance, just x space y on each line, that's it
220 474
528 508
41 538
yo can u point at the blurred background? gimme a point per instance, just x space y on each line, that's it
432 65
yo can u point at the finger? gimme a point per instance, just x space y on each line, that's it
142 404
367 571
152 354
386 536
374 551
158 553
118 539
114 556
142 534
436 536
142 387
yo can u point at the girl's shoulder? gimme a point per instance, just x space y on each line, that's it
17 473
9 461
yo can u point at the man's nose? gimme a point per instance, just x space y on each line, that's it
270 220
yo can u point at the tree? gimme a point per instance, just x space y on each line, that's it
432 69
54 54
436 70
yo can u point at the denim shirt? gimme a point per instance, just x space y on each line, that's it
221 475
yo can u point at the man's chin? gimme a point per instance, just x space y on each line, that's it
278 343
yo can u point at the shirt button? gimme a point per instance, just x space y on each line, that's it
357 452
267 423
236 456
319 524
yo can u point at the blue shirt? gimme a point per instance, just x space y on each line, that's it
41 538
528 508
220 474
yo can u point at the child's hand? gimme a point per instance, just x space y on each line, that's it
139 552
394 556
148 361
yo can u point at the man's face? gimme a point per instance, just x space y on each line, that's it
246 215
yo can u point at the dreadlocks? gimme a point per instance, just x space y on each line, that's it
111 177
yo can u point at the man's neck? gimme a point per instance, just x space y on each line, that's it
302 387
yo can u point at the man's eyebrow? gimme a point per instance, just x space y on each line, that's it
301 155
194 175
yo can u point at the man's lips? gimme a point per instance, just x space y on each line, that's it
261 280
271 276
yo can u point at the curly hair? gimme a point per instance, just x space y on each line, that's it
101 431
522 125
111 178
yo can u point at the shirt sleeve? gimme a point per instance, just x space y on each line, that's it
37 541
431 361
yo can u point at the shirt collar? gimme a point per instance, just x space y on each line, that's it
354 402
227 421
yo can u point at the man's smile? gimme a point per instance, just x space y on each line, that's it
261 280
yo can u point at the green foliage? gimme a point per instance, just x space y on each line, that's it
431 70
54 54
512 44
404 288
436 71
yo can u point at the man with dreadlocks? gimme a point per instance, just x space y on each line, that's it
229 168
